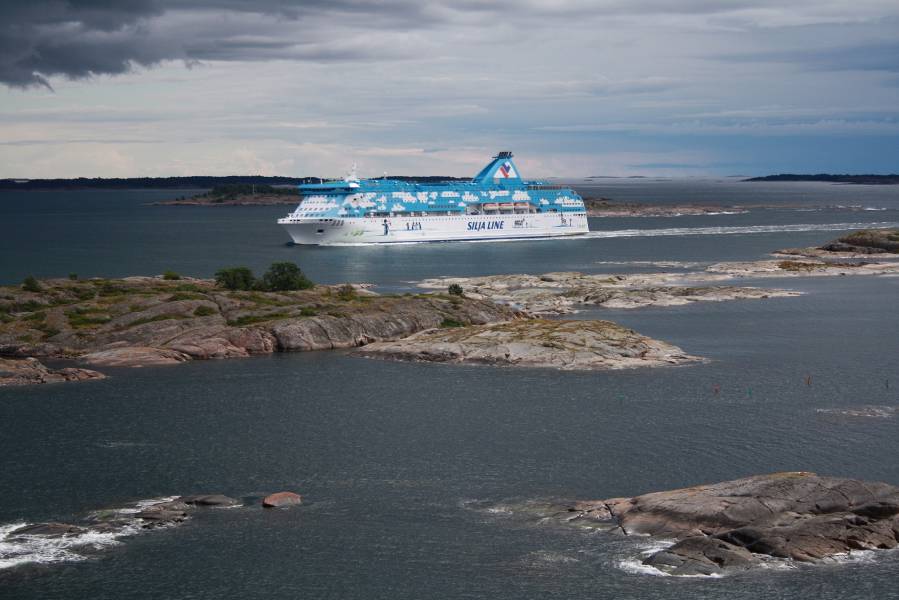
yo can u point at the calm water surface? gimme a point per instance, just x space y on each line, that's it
400 463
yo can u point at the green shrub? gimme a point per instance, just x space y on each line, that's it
447 323
48 331
257 298
29 306
347 292
110 289
284 276
455 290
77 319
235 278
83 293
145 320
73 276
36 316
171 276
250 319
799 266
177 296
884 239
86 310
30 284
204 311
308 311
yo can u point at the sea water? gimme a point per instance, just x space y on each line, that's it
406 468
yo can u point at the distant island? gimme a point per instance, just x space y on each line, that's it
140 183
176 183
605 207
241 194
857 179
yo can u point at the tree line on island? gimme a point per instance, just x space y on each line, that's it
863 179
280 277
283 276
186 182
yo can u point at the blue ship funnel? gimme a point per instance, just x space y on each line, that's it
501 169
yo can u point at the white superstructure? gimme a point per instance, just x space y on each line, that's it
496 205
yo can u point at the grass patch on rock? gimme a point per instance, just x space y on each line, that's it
178 296
84 317
798 266
204 311
154 319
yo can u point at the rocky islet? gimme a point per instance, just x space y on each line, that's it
539 343
732 526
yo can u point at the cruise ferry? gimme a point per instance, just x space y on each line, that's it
496 205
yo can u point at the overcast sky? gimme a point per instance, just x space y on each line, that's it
573 87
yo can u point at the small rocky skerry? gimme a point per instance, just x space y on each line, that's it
557 344
30 371
54 542
563 292
737 525
879 243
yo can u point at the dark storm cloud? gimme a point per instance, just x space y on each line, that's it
51 37
81 38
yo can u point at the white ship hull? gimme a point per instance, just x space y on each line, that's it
392 230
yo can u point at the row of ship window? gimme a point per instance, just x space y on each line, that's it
433 213
456 218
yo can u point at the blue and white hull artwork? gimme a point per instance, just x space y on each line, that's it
496 205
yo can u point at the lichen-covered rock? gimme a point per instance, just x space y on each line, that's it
29 371
738 524
209 500
134 356
282 500
568 345
563 292
406 317
149 321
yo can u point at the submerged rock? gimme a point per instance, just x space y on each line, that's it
49 529
567 345
155 516
100 529
209 500
282 499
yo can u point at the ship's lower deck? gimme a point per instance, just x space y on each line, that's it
387 230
